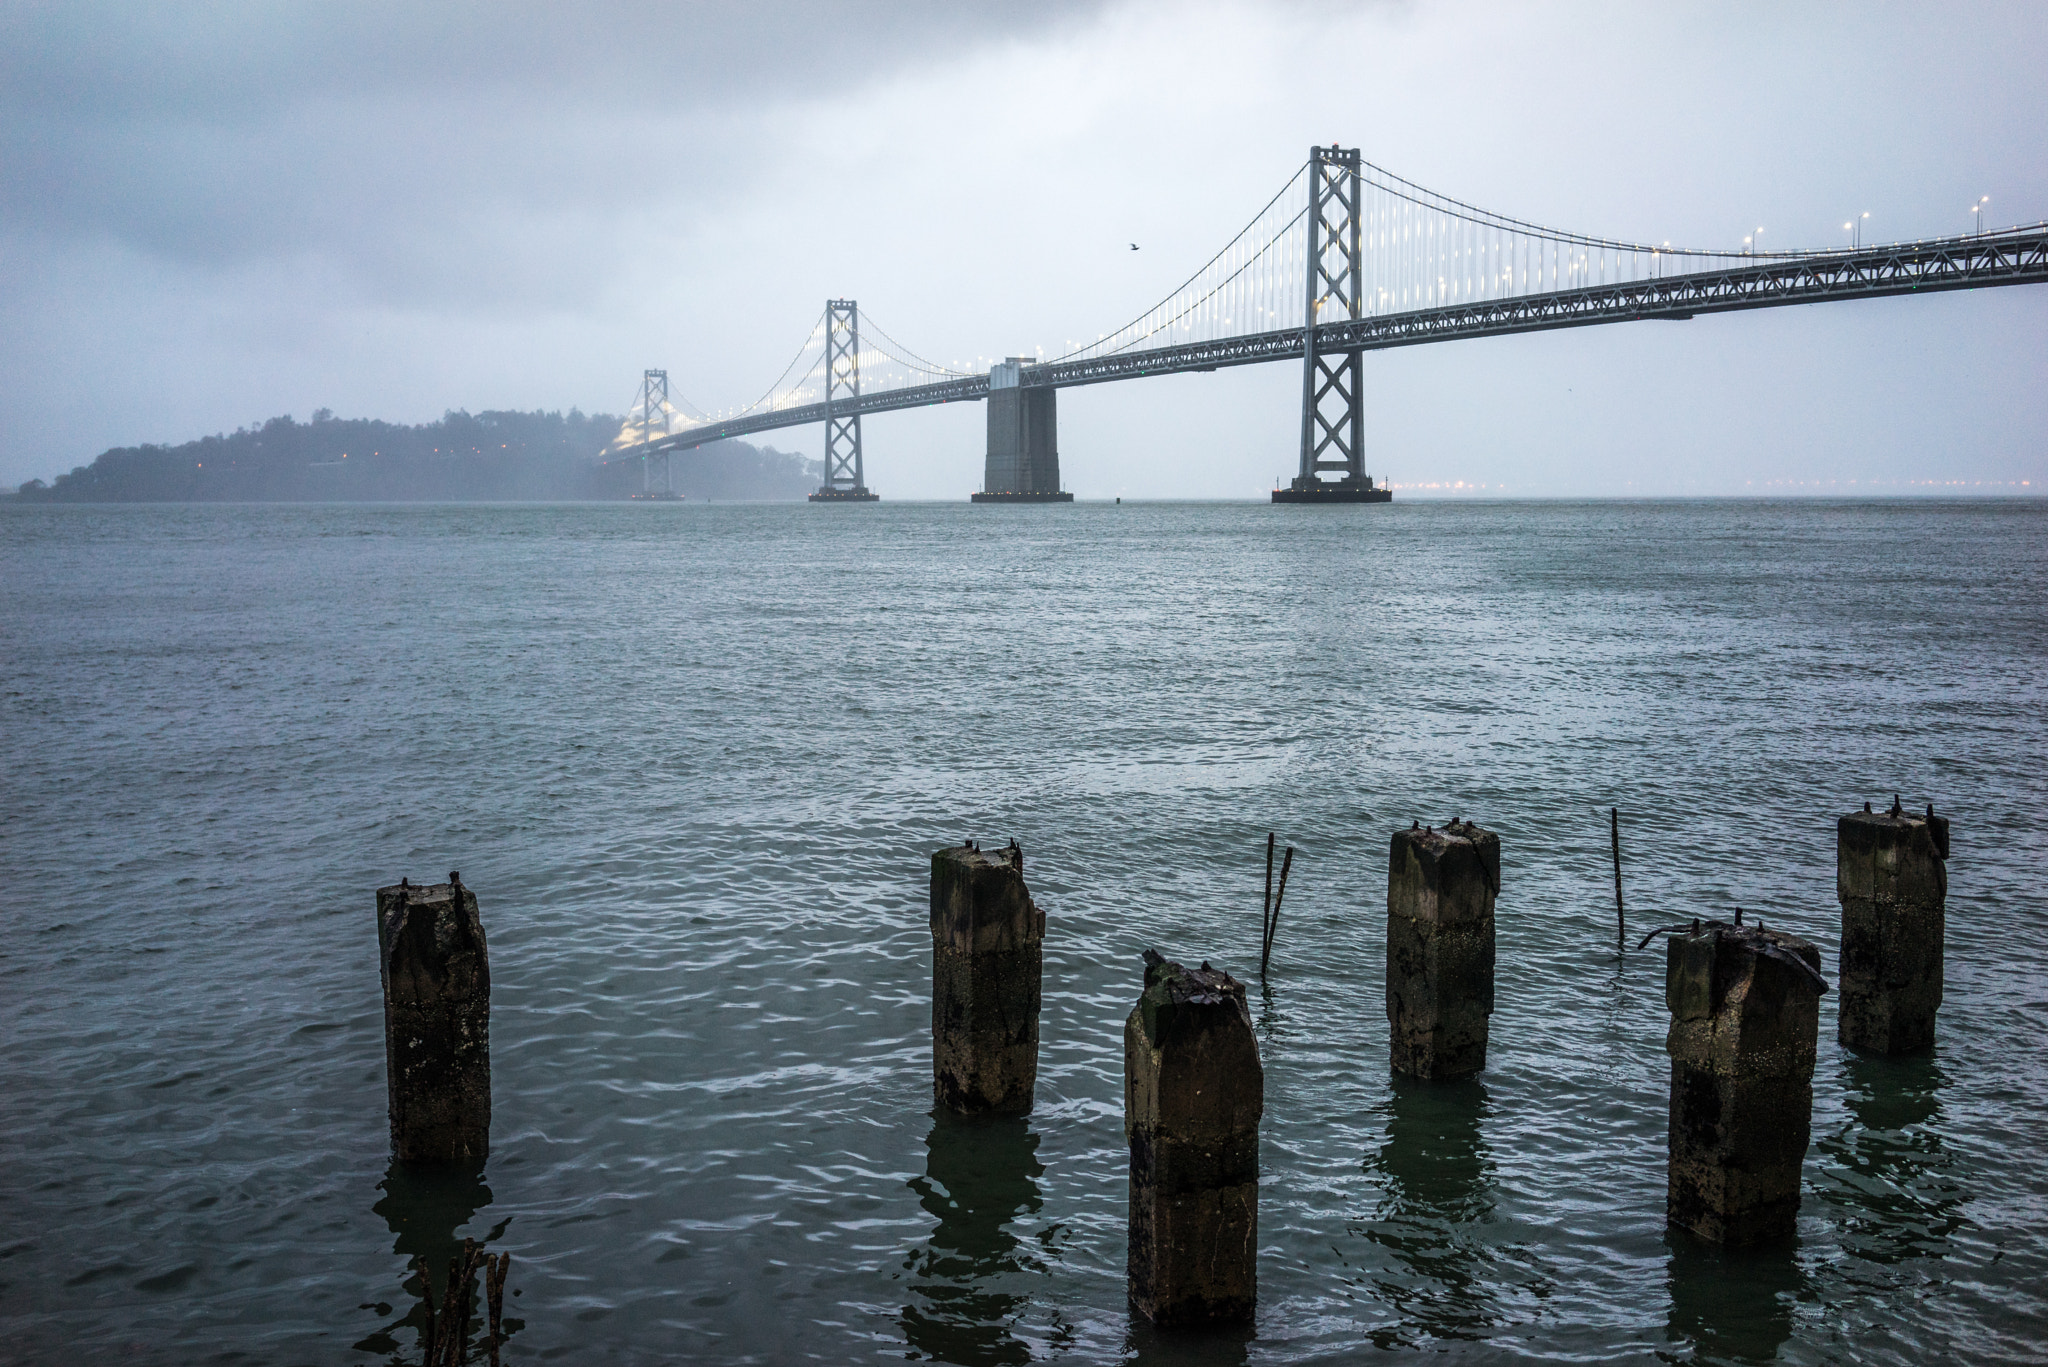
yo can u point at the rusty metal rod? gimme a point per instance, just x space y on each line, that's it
1273 918
1620 918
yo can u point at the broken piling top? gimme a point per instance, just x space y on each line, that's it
979 901
1444 876
1191 1059
1744 1001
1891 856
432 929
436 973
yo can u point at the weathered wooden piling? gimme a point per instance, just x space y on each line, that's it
1441 886
1745 1018
1194 1091
987 962
437 1021
1891 873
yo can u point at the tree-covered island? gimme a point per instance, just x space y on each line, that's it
465 457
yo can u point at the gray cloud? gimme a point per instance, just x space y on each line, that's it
242 61
271 129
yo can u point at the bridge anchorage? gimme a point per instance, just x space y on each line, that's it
1332 382
845 480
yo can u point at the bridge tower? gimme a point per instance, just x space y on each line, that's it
1332 412
845 480
654 425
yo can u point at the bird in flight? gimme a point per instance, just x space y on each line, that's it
1134 246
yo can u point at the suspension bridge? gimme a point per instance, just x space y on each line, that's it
1347 258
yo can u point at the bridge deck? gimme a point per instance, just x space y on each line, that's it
2012 258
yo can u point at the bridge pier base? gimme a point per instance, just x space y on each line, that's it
1308 489
857 494
1023 463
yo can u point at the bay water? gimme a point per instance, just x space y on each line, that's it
694 759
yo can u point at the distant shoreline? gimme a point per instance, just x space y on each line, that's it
490 457
1082 500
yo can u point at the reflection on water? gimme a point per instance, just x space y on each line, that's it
1151 1346
1437 1184
980 1176
1882 1178
1885 1177
425 1208
1732 1305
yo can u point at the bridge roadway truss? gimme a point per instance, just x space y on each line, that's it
2016 257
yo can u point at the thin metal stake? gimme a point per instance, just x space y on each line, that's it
1273 919
1620 920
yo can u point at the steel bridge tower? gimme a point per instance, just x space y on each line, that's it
1332 411
654 425
845 480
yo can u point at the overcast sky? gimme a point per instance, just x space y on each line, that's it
210 215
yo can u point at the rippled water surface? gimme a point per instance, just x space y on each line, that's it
694 759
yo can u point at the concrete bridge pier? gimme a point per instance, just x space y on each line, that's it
1023 463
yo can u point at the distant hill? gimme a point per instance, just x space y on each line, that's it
468 457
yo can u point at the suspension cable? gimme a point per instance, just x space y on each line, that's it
916 361
1192 304
1486 217
1198 274
785 372
915 367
